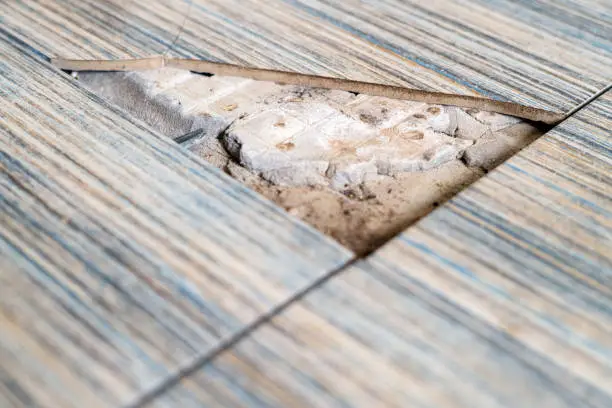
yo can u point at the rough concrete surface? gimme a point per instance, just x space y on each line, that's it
357 167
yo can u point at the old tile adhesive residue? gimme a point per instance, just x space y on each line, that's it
357 167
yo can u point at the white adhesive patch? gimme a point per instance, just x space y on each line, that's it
314 143
293 136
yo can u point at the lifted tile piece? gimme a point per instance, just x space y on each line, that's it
122 256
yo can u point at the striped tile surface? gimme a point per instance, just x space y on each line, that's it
501 298
548 54
122 256
278 35
108 29
251 33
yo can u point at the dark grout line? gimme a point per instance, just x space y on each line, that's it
224 345
588 101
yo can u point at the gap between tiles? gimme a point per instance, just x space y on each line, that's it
198 362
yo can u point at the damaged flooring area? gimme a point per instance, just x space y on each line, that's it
356 167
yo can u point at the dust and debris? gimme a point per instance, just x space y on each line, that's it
364 217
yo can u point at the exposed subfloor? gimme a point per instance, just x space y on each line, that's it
356 167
